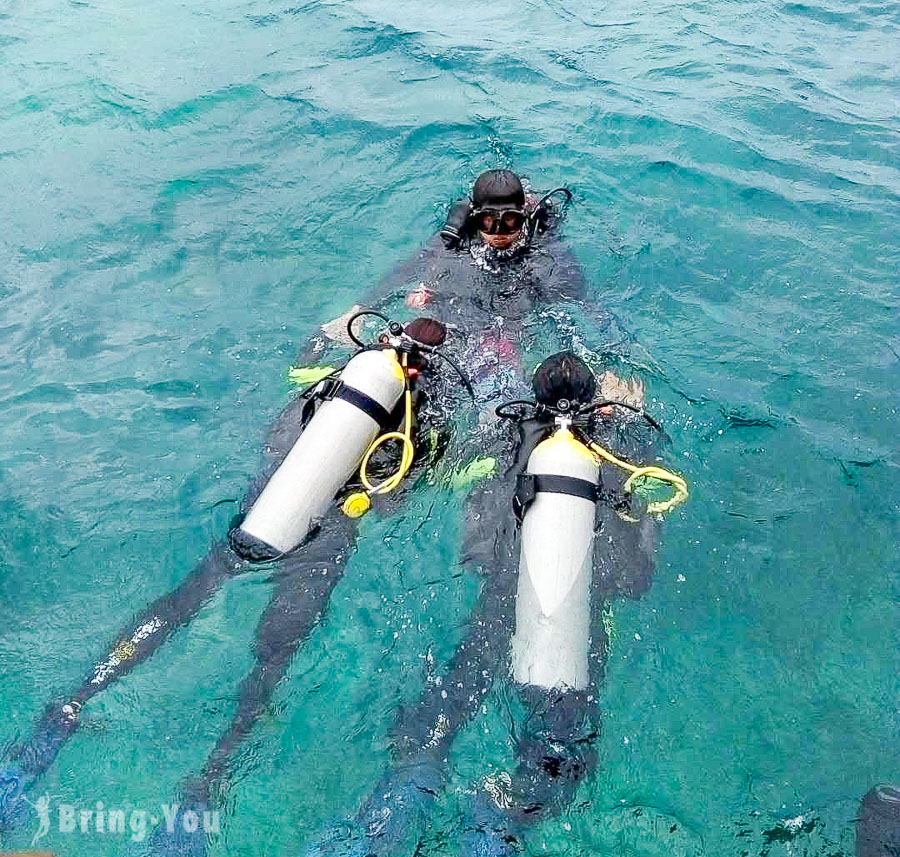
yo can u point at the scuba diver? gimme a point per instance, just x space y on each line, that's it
497 262
557 537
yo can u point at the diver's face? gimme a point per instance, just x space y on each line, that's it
501 242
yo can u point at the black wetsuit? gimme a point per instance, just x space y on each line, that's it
878 828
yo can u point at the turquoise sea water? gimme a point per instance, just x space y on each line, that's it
190 189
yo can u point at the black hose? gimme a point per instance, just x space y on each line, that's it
595 406
501 409
535 216
360 314
466 383
553 192
366 312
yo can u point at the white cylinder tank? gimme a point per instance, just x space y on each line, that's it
325 455
552 639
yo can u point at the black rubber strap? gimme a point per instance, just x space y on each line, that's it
365 403
529 485
544 484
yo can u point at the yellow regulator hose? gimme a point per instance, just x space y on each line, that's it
658 507
358 503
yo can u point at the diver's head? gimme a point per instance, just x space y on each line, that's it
426 331
498 208
563 376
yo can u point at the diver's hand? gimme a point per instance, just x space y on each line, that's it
336 329
612 388
420 297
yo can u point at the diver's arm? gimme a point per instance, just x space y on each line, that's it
423 268
331 343
583 321
623 550
566 278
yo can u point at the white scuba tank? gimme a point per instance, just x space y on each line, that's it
325 455
552 639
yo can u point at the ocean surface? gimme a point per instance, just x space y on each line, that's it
190 189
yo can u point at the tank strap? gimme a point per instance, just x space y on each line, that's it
529 485
337 389
566 485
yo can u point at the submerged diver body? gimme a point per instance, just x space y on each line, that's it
505 263
558 684
878 825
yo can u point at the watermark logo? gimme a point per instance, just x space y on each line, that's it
132 822
42 807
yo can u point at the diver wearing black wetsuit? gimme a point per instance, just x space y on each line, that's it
483 291
556 747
